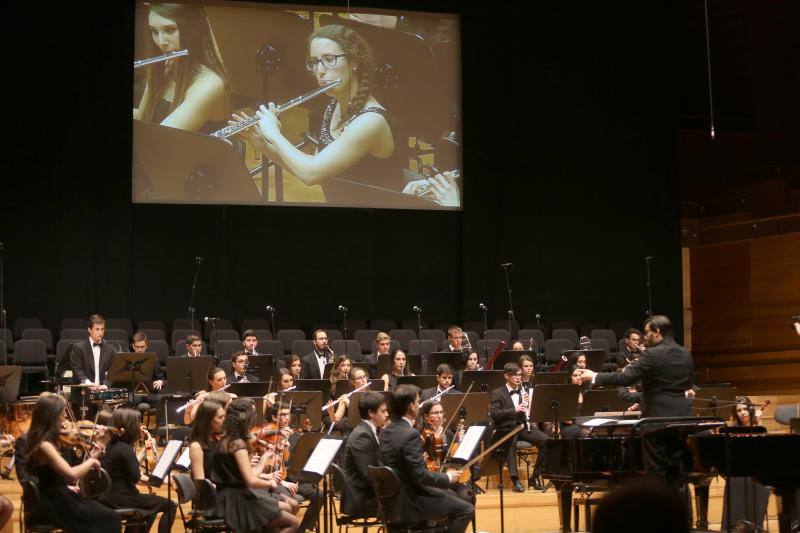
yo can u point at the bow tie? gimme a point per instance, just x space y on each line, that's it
515 391
98 344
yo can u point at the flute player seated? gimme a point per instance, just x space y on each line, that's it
355 137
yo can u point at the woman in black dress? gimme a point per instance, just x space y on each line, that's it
398 369
61 505
123 467
204 437
242 495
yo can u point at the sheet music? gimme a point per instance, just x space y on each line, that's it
184 461
321 457
597 422
167 457
472 438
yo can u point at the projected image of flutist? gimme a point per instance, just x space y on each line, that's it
356 142
188 92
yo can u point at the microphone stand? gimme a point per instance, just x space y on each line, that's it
647 261
485 311
3 324
191 310
273 327
343 309
507 270
419 327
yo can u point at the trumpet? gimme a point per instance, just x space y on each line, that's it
157 59
233 129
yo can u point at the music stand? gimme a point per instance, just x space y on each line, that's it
302 449
602 401
262 365
249 390
306 408
423 382
595 359
549 378
511 356
492 463
474 409
10 377
321 385
353 416
554 403
188 374
177 166
165 463
130 368
708 400
484 380
454 359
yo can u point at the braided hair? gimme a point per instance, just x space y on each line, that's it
358 52
239 419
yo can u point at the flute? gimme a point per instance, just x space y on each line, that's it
157 59
331 404
193 401
437 396
233 129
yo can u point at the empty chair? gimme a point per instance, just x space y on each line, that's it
423 347
161 349
255 323
602 344
500 334
569 334
383 324
353 324
350 347
219 334
403 336
288 336
366 338
62 347
274 348
525 336
486 346
152 324
436 335
512 326
302 347
413 324
3 351
120 345
564 324
31 355
116 335
442 326
181 334
154 334
606 334
42 334
225 348
77 334
586 328
120 323
8 336
186 323
474 325
541 326
72 323
179 347
21 324
554 347
619 327
216 323
335 335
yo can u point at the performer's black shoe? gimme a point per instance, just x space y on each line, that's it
518 486
536 483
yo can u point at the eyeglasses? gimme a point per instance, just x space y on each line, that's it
327 61
434 413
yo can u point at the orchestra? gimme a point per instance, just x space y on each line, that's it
246 453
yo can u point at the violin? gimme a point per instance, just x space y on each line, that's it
434 447
78 434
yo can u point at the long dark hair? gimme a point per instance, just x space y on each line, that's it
751 410
239 419
357 51
45 423
196 36
391 361
201 431
128 421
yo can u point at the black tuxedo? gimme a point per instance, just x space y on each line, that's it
311 367
360 452
504 416
665 371
250 378
82 363
422 493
